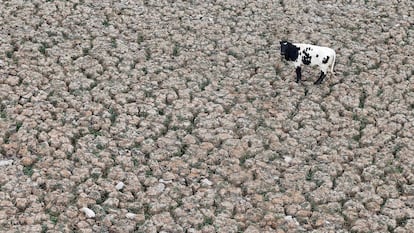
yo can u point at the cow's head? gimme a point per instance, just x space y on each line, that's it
288 50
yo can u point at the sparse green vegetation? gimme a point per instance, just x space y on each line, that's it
106 22
362 99
114 43
114 115
147 54
191 106
140 38
28 170
42 48
309 175
176 50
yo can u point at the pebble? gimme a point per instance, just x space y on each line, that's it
206 182
27 161
6 162
130 215
120 185
88 212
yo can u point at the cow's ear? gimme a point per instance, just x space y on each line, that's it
292 53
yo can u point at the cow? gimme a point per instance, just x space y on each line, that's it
311 55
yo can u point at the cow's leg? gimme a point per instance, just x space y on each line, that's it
320 79
298 74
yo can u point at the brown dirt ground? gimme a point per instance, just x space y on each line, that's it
190 106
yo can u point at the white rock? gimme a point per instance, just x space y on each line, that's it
206 182
288 159
290 218
130 215
165 181
6 162
120 185
156 190
88 212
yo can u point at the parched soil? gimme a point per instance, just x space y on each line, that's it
181 116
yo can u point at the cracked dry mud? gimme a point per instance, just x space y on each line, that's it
190 106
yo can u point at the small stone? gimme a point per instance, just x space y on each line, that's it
111 202
27 161
165 181
6 162
120 185
130 215
140 218
108 220
288 159
206 182
291 219
156 190
21 203
88 212
65 173
168 176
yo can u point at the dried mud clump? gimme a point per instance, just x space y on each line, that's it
152 116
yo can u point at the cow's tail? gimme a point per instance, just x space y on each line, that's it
333 63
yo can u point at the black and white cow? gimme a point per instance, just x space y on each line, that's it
309 55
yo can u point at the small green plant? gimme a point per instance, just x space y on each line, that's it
204 84
379 92
357 137
106 23
397 148
94 131
149 94
136 162
374 66
113 43
143 114
28 170
93 84
405 61
95 176
148 173
9 54
85 51
3 113
176 50
346 73
44 228
167 121
113 116
42 48
309 175
102 198
402 221
358 70
233 53
207 221
251 99
182 150
140 38
54 219
147 54
99 146
362 99
244 158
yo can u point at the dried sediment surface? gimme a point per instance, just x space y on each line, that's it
180 116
